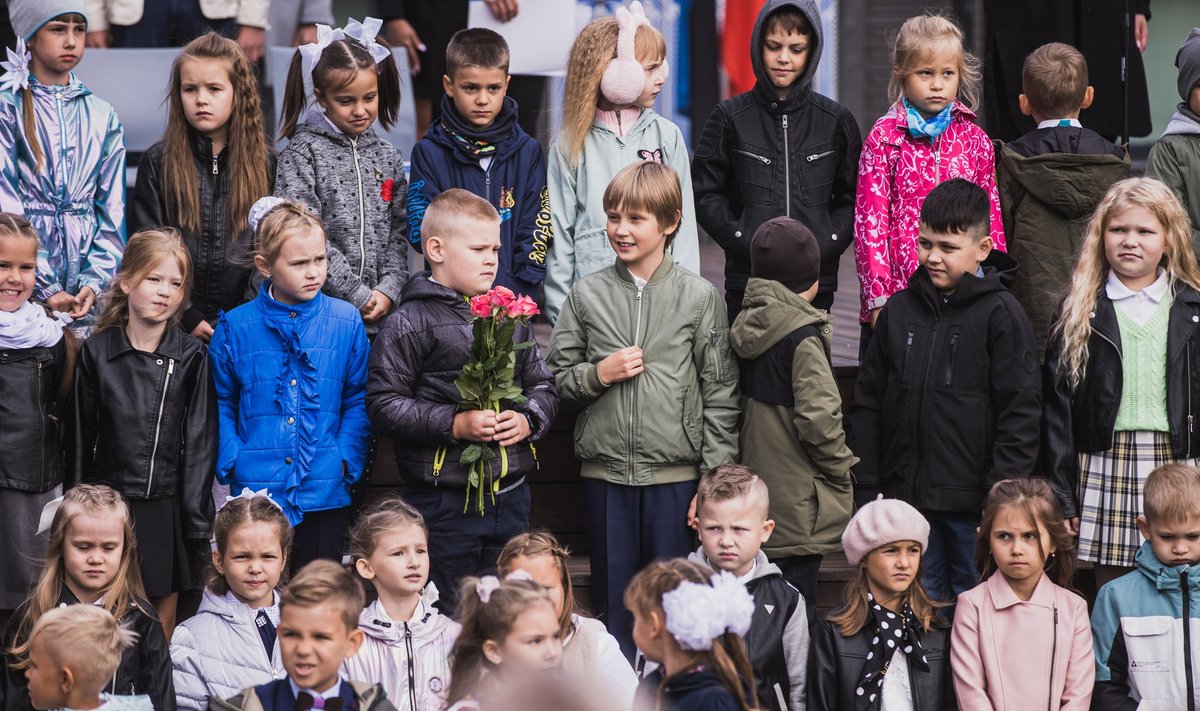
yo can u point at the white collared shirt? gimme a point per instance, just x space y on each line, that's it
1055 123
1137 305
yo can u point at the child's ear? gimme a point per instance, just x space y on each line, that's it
675 225
1144 527
447 84
1025 106
216 561
491 652
767 529
363 566
985 248
435 250
354 641
1088 97
260 263
123 283
658 623
66 680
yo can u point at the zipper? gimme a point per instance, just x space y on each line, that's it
787 170
215 171
41 420
937 164
362 212
1053 658
713 336
953 352
1187 641
763 159
819 156
158 425
487 181
1187 369
412 674
907 350
937 321
637 335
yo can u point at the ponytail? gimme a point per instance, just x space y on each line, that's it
30 120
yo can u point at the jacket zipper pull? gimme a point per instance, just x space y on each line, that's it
215 171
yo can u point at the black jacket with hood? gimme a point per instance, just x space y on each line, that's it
761 156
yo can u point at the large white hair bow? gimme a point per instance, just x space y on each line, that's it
698 613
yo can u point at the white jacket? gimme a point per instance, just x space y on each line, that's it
394 652
102 13
219 652
591 655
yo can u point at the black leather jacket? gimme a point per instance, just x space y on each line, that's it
146 423
30 379
1083 420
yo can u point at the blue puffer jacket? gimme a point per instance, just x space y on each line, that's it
290 385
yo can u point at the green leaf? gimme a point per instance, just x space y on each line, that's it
470 455
522 345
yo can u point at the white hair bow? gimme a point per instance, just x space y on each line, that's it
250 495
48 513
16 74
259 210
310 54
698 613
366 32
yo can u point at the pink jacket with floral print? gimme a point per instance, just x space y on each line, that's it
895 174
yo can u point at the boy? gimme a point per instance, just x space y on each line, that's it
477 145
731 508
411 397
1175 158
791 409
642 349
318 630
1051 180
1140 621
779 149
948 400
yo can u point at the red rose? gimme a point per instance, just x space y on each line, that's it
385 191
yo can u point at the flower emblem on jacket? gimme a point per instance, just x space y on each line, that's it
385 190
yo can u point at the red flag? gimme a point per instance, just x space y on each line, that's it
735 43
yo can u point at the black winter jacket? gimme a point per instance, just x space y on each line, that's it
760 157
699 690
146 423
221 267
1083 420
411 397
948 400
30 379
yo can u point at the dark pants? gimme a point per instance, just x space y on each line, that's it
629 527
321 535
733 302
170 23
463 544
864 341
802 571
949 561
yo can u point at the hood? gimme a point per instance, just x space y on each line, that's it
1070 184
317 123
1163 576
374 620
763 89
215 604
421 288
1183 122
763 568
998 271
770 313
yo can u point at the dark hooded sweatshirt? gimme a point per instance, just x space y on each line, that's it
761 156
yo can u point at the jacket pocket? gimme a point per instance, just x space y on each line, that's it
833 504
754 167
1150 643
693 416
818 169
592 252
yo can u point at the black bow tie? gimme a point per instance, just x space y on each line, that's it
306 702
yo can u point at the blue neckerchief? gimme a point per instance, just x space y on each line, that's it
921 127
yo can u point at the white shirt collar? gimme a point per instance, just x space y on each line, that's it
1055 123
1117 290
331 693
743 579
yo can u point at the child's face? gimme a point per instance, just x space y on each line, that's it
656 77
252 563
478 93
399 565
733 531
544 571
46 678
314 641
465 258
1019 544
92 550
207 96
18 271
947 256
157 296
55 50
1134 245
933 84
534 644
649 634
891 569
785 56
637 237
353 107
1173 542
300 268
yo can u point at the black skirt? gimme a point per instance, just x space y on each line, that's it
168 563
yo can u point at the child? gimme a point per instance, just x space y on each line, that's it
949 397
657 387
1123 351
791 432
477 144
1143 656
1051 179
608 123
886 646
1175 158
290 370
73 653
91 558
407 642
590 653
691 622
318 631
1026 559
74 197
36 371
926 137
412 397
345 173
780 148
206 172
731 513
231 641
510 636
145 417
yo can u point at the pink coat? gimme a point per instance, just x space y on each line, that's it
1009 655
895 174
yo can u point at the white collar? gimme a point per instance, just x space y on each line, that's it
1055 123
743 579
332 692
1116 290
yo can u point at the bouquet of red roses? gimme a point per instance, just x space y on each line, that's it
487 379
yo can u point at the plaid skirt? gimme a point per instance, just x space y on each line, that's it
1110 495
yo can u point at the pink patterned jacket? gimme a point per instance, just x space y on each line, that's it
895 174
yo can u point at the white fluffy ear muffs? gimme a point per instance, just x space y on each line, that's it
624 77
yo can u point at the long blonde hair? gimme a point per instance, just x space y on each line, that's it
1074 325
923 35
144 252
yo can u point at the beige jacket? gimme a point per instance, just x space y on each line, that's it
102 13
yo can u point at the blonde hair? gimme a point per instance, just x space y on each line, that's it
86 639
1074 325
1172 493
444 212
538 544
1054 79
321 582
856 611
241 512
278 225
145 251
921 36
593 49
733 481
650 187
384 515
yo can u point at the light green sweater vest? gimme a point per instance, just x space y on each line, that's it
1144 364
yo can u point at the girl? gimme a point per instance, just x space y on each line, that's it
37 361
407 641
510 632
1121 358
145 416
343 171
206 172
290 370
691 622
91 558
67 169
885 647
926 137
589 651
230 643
1026 559
608 123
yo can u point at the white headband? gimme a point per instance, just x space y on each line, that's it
260 209
698 613
249 495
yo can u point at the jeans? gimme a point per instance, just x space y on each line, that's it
949 561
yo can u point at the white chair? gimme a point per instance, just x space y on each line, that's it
135 82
